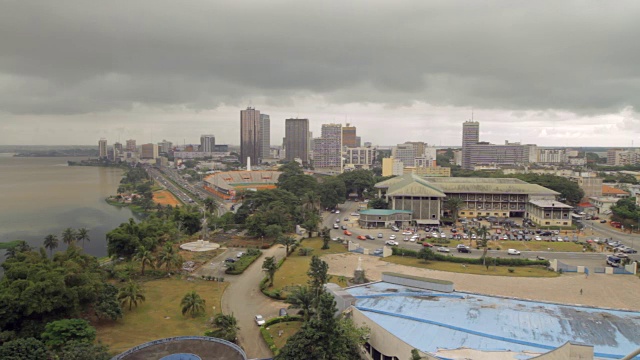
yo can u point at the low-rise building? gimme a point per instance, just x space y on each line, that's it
383 218
428 171
603 204
549 213
610 191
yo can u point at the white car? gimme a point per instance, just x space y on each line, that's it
259 320
239 254
443 249
407 233
337 211
355 214
391 242
434 234
513 252
443 235
537 238
392 237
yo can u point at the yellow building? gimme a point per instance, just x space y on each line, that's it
428 171
549 213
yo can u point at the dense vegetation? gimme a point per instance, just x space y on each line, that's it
626 212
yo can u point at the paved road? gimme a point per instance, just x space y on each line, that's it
244 300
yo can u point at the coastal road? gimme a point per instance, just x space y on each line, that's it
244 300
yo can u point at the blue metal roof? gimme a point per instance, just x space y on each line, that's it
430 321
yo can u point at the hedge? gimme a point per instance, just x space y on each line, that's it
268 338
242 264
474 261
279 319
275 293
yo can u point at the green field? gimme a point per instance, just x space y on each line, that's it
288 328
294 270
160 315
9 244
519 271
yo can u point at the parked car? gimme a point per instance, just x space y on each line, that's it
361 237
443 249
621 255
426 244
443 235
337 211
392 237
377 252
407 233
344 227
538 238
369 237
337 220
391 243
240 254
283 312
463 249
336 226
603 221
259 320
230 260
513 252
346 219
630 250
347 232
380 236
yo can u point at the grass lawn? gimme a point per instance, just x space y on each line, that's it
294 270
9 244
536 245
520 271
160 315
288 328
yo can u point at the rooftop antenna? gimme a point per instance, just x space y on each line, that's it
471 114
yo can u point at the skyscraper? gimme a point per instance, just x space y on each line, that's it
250 136
265 126
296 139
102 146
149 151
327 149
207 143
131 145
117 150
349 138
165 147
470 137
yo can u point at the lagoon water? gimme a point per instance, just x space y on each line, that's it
40 196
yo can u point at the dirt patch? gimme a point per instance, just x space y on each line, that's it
164 197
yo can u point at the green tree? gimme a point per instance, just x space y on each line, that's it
82 235
68 236
192 304
415 355
211 205
482 232
169 258
20 247
301 298
24 349
131 295
226 327
318 275
107 305
51 242
60 332
378 203
145 257
270 267
273 231
426 254
287 241
332 191
326 238
84 351
454 204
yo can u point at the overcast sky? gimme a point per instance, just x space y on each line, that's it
555 73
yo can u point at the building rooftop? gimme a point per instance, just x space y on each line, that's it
410 185
550 204
432 321
489 185
605 199
382 212
610 190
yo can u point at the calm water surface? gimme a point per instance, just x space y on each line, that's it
40 196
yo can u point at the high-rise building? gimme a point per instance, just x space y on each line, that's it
296 139
149 151
207 143
165 147
117 150
470 137
102 147
265 126
552 156
250 136
349 138
405 153
131 145
327 149
361 157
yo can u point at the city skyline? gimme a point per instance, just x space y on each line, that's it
561 78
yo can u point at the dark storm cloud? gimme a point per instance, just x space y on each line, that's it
73 57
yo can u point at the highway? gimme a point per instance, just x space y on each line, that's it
572 258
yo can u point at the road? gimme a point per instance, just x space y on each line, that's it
571 258
244 300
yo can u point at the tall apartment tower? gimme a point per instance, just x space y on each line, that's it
470 137
296 139
250 136
131 145
327 149
207 143
265 125
349 138
164 147
102 146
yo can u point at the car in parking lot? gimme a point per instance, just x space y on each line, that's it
377 252
443 249
361 237
407 233
391 243
395 228
259 320
380 236
427 245
240 254
283 312
346 219
463 249
538 238
344 227
369 237
630 250
392 237
230 260
337 211
337 220
336 226
603 221
513 252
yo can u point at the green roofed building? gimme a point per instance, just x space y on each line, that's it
425 198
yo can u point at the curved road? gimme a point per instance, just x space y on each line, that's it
244 300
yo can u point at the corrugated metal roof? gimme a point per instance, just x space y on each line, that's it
381 212
413 185
550 204
493 323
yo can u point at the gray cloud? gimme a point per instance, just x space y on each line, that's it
78 57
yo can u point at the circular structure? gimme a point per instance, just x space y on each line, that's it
185 348
182 356
199 245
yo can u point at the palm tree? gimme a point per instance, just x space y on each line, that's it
227 327
482 233
169 258
145 257
192 303
287 241
81 235
211 205
131 294
301 298
454 204
21 247
51 242
68 236
270 267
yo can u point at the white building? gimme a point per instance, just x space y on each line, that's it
552 156
360 157
405 153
